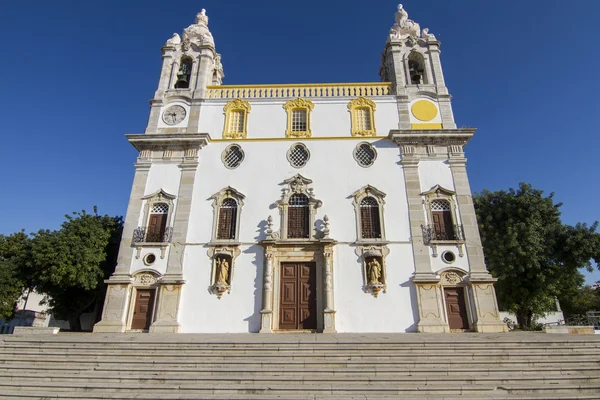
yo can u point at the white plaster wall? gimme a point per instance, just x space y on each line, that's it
268 118
335 175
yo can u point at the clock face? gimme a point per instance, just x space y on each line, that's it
173 115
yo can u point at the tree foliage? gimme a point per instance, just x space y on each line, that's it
74 261
532 253
16 271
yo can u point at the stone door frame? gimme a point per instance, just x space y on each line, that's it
144 280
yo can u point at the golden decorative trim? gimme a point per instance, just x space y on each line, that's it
426 126
291 138
236 105
370 89
290 107
353 107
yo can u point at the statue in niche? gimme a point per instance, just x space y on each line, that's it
374 272
222 276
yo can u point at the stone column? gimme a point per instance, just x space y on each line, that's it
172 282
267 294
480 282
329 312
116 303
204 72
426 282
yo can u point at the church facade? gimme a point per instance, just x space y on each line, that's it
302 207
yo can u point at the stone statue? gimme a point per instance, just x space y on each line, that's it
199 33
222 272
374 272
176 39
426 35
404 27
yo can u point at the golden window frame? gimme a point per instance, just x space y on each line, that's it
230 107
290 107
353 107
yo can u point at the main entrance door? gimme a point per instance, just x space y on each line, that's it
298 299
456 308
142 312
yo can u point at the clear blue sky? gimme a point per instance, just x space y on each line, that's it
77 75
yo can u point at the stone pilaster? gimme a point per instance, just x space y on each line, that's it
116 305
204 72
481 283
329 312
166 72
267 294
436 64
171 283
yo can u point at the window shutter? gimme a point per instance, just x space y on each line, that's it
298 217
369 219
442 224
156 228
227 220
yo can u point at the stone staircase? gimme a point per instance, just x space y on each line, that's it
300 366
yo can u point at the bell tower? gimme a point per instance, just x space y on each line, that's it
190 64
411 61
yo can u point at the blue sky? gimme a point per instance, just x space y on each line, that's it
77 75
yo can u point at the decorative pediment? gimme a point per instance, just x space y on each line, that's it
369 191
159 195
362 102
238 104
298 184
228 192
438 191
299 103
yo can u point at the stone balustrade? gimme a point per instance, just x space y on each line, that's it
366 89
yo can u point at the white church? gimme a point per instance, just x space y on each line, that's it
339 207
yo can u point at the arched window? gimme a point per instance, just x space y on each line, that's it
370 223
298 217
185 73
416 68
227 219
441 216
157 223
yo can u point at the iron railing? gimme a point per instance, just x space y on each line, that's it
591 318
142 235
454 234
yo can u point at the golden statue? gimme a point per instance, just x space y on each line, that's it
374 272
222 272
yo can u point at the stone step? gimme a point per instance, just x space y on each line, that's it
358 369
159 379
308 388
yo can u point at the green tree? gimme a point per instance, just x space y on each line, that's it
16 271
73 262
584 299
535 257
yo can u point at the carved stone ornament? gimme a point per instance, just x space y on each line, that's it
297 185
175 40
198 33
223 261
145 279
373 268
404 27
451 278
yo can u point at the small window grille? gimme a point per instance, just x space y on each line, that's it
365 154
233 156
363 119
298 155
227 219
440 205
236 122
299 121
159 208
369 218
298 217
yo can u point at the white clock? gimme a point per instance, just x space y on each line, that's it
174 115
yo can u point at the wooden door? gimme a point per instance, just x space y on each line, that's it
298 296
156 228
442 222
456 308
142 312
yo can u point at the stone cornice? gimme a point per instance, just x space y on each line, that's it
444 137
172 141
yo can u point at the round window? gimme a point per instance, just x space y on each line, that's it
232 156
149 259
298 155
365 154
448 257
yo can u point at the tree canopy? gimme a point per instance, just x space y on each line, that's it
535 257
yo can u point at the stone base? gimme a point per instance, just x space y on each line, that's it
432 328
491 327
329 321
108 327
165 327
572 330
34 330
266 320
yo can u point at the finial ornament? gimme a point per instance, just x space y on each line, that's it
198 33
203 11
404 27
